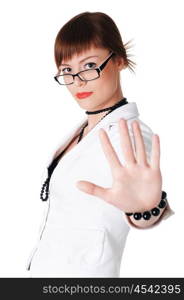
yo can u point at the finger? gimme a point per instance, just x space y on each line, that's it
126 142
92 189
109 151
139 144
155 152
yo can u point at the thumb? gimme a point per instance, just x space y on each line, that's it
92 189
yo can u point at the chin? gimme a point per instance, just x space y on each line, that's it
88 103
84 103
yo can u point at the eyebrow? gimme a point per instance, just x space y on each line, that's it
81 60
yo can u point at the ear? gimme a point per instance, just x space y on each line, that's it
120 63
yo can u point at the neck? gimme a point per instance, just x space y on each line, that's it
93 119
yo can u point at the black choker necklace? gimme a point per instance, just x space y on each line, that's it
119 103
109 109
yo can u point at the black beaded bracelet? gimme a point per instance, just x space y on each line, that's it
146 215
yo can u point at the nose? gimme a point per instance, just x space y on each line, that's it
79 82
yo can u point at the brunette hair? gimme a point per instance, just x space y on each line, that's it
87 29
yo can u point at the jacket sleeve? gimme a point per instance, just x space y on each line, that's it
147 137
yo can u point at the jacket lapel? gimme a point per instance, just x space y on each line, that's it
66 139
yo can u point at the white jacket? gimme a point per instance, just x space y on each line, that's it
82 235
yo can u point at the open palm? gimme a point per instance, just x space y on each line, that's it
137 185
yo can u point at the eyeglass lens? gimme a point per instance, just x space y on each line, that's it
84 75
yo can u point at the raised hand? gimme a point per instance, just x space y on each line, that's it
137 184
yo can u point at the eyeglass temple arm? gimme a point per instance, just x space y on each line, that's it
105 62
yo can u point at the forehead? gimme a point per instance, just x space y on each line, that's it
92 52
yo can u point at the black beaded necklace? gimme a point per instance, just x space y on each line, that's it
45 186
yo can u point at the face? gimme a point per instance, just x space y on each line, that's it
105 90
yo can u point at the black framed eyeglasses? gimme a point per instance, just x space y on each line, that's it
86 75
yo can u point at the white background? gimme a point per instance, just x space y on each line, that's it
35 114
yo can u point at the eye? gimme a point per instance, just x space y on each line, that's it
64 70
91 64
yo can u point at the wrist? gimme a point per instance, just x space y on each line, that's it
155 211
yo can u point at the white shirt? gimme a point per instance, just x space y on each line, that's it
82 235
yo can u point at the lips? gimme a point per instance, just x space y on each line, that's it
83 95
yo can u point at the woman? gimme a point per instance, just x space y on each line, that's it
106 176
